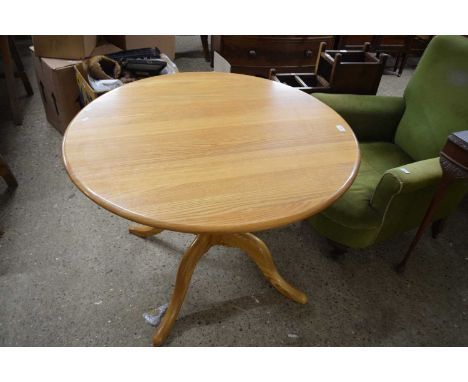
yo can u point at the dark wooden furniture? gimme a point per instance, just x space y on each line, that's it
351 41
351 71
339 71
398 46
417 47
206 49
256 55
10 79
454 163
7 175
20 72
11 59
395 45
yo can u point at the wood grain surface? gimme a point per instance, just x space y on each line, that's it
210 152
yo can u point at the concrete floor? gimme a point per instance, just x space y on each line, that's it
71 275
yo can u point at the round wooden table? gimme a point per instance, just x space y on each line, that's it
214 154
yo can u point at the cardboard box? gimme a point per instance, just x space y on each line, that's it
165 43
59 90
64 47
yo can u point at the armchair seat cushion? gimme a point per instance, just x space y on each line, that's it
410 131
353 208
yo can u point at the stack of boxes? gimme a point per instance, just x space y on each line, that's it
55 58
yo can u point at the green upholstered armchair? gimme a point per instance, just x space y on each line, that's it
400 140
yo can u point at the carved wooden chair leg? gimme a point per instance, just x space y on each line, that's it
259 253
144 231
437 227
402 65
7 175
200 246
271 73
8 68
397 62
206 50
454 163
19 66
440 191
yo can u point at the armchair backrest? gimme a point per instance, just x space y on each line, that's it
436 98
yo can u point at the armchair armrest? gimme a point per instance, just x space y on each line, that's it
405 179
372 118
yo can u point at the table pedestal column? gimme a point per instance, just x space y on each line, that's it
252 245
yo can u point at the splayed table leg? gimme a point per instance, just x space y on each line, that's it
253 246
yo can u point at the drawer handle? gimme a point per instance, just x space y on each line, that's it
252 53
308 53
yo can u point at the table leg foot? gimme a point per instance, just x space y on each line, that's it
260 254
252 245
144 231
200 245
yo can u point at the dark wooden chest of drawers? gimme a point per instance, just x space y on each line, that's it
256 55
